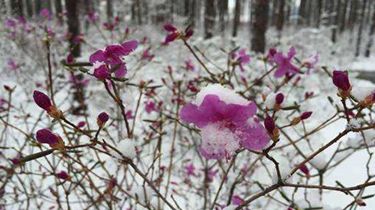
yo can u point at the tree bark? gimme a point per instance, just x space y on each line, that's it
193 9
29 8
236 20
280 17
59 11
371 36
38 6
259 25
209 18
343 15
73 26
353 14
360 28
223 11
302 12
109 10
16 8
336 21
319 12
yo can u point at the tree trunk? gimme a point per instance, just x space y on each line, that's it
29 8
38 6
236 20
193 9
59 11
302 12
360 28
353 14
280 17
109 10
319 13
209 18
336 21
73 26
259 25
16 8
343 15
223 11
371 36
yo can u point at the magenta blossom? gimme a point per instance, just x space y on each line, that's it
284 63
189 65
150 106
227 121
146 55
241 58
190 169
92 17
45 136
12 65
112 55
63 175
45 13
341 80
102 119
174 34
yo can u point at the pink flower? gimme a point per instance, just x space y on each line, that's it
189 65
311 61
63 175
150 106
45 13
42 100
241 58
112 57
285 65
341 81
190 170
102 119
92 17
237 200
45 136
174 34
146 55
225 126
12 65
305 115
10 23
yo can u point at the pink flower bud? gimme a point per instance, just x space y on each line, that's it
304 170
42 100
305 115
341 80
81 124
63 175
102 119
269 124
45 136
279 98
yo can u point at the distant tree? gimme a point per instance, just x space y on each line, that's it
209 18
71 7
353 14
236 19
319 8
59 11
302 12
343 15
336 19
38 6
259 25
371 35
109 10
223 13
360 28
16 7
280 17
29 8
193 12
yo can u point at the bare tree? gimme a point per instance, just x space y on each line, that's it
360 28
280 17
29 8
371 35
302 12
223 12
59 10
343 15
109 10
236 20
336 21
353 14
16 7
71 7
259 25
209 18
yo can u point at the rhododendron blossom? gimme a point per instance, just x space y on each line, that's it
241 58
284 63
227 122
110 58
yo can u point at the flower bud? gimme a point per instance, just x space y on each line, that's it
279 98
271 128
341 81
305 115
63 175
304 170
44 102
102 119
45 136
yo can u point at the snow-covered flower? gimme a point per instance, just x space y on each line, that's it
284 63
227 121
112 55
